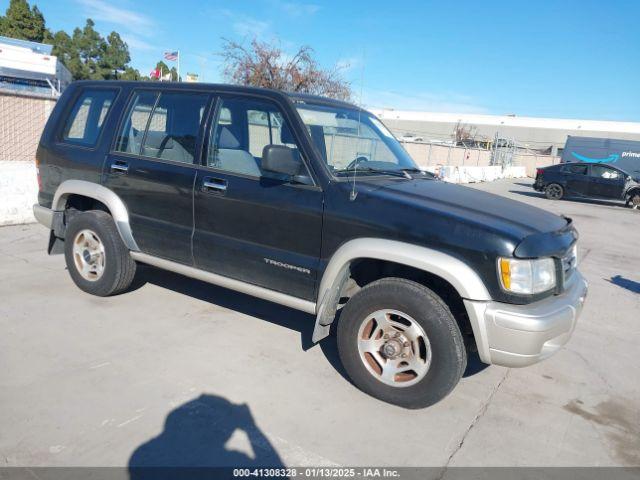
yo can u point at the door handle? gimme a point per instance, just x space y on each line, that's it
214 184
120 167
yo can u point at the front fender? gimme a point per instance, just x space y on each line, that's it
462 277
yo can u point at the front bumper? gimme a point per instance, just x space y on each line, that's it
520 335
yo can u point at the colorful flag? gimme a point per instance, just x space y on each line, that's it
171 56
155 73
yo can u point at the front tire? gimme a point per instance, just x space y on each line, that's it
97 259
399 342
554 191
633 201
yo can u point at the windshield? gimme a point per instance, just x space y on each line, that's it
348 139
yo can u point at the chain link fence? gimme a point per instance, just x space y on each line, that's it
22 119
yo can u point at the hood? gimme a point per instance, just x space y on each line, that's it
515 220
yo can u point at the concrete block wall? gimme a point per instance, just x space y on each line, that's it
532 162
426 154
18 192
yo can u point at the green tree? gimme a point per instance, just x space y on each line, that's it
85 53
91 48
65 49
130 74
116 55
88 55
23 22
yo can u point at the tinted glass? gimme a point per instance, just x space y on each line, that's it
132 132
242 130
87 116
577 169
604 172
174 126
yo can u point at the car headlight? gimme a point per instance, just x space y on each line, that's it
527 276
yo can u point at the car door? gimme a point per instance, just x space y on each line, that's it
151 168
576 178
606 182
251 225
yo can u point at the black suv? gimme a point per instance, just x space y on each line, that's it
588 180
313 204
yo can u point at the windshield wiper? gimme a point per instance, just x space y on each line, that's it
361 168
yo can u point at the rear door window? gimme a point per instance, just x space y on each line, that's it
86 118
132 131
174 126
163 125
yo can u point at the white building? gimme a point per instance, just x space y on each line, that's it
30 67
527 132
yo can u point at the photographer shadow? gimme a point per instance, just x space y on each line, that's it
199 435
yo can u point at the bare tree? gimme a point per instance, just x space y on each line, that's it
464 134
266 65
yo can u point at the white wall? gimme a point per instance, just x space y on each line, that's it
470 174
18 192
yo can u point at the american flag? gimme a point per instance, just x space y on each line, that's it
171 56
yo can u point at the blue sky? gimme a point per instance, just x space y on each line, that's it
565 58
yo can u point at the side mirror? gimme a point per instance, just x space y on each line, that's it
280 159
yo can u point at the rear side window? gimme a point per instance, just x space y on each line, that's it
163 125
132 131
173 129
577 169
84 123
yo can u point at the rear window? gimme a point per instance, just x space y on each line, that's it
86 118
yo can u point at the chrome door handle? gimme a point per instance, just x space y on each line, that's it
119 167
216 184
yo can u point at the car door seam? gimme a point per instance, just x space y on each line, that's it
193 215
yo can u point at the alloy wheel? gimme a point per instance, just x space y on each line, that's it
88 255
554 191
394 348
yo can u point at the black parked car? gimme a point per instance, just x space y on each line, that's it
313 204
588 180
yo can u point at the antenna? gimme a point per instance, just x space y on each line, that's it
354 193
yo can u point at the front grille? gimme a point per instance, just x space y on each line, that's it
569 263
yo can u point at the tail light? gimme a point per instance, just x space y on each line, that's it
539 172
38 174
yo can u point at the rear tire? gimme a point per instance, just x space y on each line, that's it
97 259
554 191
420 358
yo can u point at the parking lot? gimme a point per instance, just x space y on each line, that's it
181 372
